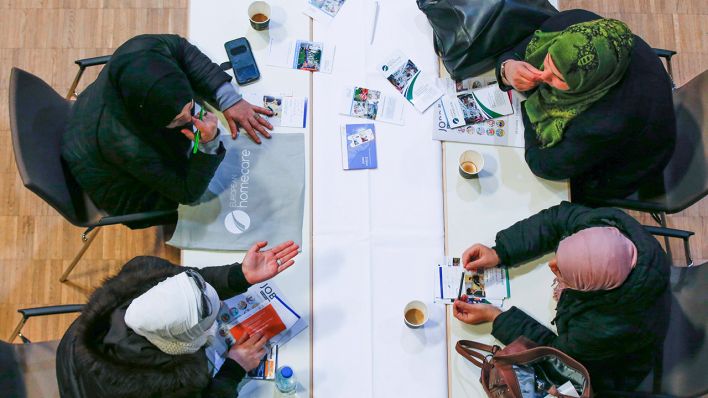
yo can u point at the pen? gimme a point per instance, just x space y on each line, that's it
462 280
196 135
375 20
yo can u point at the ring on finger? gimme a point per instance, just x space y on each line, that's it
277 260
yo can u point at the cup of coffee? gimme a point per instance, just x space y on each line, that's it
259 15
415 314
470 164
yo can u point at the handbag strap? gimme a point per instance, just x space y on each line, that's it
467 348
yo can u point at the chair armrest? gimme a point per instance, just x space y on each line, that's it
126 218
86 62
674 233
51 310
664 53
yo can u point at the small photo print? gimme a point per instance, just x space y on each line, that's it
309 55
474 284
365 103
329 7
275 105
470 112
361 137
402 76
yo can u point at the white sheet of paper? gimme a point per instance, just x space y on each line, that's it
284 54
323 10
288 111
416 86
377 106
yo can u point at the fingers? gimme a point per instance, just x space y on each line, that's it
261 110
187 133
528 72
243 339
285 266
257 124
289 256
258 246
253 339
249 129
233 127
261 342
283 247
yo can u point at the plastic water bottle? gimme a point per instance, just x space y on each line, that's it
285 380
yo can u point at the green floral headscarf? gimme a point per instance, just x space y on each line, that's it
591 56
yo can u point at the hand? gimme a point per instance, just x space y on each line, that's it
248 351
207 128
474 314
259 266
521 75
245 115
479 256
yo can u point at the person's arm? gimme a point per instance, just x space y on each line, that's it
538 234
225 383
227 280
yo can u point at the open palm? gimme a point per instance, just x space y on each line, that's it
259 266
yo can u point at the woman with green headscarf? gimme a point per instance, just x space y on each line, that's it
598 110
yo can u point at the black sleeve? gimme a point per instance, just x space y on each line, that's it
555 23
227 280
224 384
538 234
204 75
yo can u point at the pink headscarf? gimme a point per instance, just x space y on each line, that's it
598 258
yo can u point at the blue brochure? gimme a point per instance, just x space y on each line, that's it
358 146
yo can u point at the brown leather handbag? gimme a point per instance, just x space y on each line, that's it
524 369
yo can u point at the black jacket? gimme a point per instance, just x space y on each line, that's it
93 363
119 170
614 333
623 140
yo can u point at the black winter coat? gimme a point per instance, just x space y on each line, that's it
93 363
614 333
623 140
121 172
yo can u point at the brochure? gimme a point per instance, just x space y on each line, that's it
371 104
489 285
323 10
358 146
261 309
288 111
476 106
504 131
266 368
420 89
301 54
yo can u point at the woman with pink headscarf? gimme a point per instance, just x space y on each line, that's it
610 279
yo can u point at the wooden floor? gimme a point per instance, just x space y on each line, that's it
45 37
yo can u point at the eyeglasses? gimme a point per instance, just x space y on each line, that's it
201 284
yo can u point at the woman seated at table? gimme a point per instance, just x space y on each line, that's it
144 332
130 134
599 109
611 276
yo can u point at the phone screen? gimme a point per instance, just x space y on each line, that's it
246 73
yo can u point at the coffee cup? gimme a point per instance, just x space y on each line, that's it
415 314
470 164
259 15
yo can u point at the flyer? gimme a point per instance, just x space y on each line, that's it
489 285
358 146
476 106
288 111
371 104
323 10
301 54
417 87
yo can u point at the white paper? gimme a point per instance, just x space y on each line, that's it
416 86
371 104
448 277
323 10
301 54
566 389
288 111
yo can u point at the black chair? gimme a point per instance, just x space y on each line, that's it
38 117
28 370
685 178
680 365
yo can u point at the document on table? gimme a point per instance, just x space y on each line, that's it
504 131
301 54
475 106
418 87
323 10
288 111
359 146
371 104
484 285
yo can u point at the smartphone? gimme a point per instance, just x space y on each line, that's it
242 61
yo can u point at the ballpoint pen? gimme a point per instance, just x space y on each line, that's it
197 134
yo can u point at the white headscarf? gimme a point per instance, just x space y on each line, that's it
168 315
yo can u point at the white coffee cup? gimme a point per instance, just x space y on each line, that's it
470 164
415 314
259 8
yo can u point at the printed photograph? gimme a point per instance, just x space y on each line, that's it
365 103
329 7
309 56
275 105
401 77
470 112
474 284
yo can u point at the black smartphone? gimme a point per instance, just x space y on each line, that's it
242 61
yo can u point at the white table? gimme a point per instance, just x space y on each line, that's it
377 233
212 23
